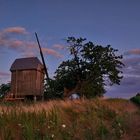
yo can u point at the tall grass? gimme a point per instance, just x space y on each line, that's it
66 120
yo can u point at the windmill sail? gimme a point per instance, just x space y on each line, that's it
43 61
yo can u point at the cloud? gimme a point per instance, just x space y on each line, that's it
131 71
7 40
28 54
4 74
129 87
132 66
131 61
4 77
22 45
17 30
133 52
16 45
130 84
131 80
51 52
12 44
58 46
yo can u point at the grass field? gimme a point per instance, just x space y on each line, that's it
95 119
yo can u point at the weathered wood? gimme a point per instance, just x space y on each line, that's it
27 82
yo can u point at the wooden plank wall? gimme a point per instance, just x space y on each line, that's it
27 82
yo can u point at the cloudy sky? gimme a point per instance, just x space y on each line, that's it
114 22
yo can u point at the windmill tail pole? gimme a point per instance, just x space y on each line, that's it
42 57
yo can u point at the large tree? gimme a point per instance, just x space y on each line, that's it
90 68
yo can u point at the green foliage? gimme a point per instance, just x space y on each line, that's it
136 99
89 135
102 131
90 67
54 90
4 88
91 89
119 126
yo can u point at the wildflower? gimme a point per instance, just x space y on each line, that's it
52 135
49 127
63 125
19 124
121 131
119 124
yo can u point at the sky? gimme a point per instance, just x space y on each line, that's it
114 22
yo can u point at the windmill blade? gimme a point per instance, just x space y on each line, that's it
42 57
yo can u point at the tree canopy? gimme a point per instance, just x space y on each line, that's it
90 68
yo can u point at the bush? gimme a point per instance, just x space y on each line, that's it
4 89
136 99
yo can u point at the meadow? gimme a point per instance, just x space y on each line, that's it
94 119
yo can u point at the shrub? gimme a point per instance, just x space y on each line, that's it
136 99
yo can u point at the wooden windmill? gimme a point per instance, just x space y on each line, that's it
27 78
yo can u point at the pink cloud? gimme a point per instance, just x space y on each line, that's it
16 43
28 54
51 52
133 52
26 48
31 45
11 42
58 46
17 30
132 60
2 41
4 74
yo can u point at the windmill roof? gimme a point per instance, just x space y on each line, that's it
26 64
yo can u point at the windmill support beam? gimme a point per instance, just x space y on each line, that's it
43 61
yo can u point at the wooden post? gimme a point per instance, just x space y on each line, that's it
16 84
34 98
